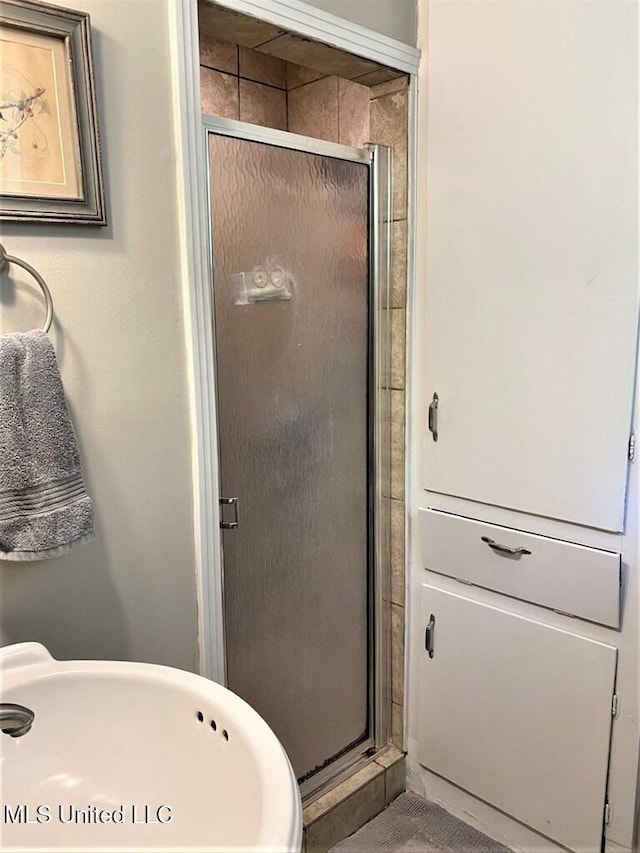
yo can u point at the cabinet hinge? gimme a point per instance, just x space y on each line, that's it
614 705
632 447
607 813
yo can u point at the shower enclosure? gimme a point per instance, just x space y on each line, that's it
300 284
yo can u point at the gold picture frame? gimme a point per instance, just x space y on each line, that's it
50 165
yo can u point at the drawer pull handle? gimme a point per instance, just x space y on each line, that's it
433 417
428 635
504 549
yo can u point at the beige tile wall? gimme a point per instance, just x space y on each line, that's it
388 125
328 108
241 83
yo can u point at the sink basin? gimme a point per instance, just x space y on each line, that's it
136 756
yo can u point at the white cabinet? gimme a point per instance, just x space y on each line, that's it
531 255
528 259
517 713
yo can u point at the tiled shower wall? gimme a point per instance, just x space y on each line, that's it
388 117
244 84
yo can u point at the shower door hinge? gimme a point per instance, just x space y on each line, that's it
607 813
614 705
632 447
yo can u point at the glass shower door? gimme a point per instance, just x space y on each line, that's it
292 331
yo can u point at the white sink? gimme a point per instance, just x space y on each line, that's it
136 756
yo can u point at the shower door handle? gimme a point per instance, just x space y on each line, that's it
230 525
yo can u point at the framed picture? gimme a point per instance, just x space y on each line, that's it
50 167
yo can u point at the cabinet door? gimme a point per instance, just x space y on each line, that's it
532 253
519 714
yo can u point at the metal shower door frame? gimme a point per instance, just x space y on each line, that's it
378 160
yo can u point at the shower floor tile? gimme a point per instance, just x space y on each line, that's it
411 824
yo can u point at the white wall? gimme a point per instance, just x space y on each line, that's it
119 336
393 18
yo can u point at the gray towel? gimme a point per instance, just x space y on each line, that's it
44 508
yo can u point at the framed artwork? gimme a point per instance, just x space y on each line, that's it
50 166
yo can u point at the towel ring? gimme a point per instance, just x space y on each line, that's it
6 259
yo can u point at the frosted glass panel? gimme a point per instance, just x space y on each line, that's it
290 238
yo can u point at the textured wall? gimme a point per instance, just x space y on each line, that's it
118 334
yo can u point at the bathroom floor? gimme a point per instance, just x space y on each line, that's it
414 825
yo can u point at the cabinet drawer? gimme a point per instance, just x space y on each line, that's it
574 579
